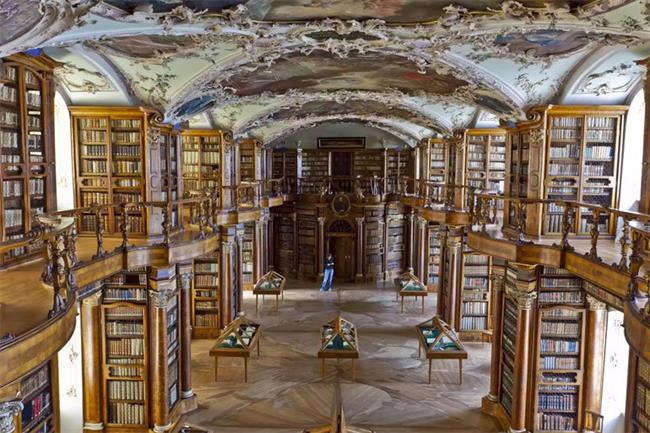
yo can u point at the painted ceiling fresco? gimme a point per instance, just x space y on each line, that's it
324 72
268 67
392 11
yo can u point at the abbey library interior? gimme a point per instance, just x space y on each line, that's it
182 178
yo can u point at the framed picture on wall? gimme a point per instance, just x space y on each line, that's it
341 142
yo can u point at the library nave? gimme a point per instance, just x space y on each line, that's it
333 216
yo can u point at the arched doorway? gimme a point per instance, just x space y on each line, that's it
341 243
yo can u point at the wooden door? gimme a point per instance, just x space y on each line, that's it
344 253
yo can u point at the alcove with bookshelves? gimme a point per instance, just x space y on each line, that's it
485 159
433 268
170 183
202 159
475 296
248 256
26 148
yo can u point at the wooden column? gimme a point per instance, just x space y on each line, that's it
258 249
270 242
524 294
320 247
632 372
644 203
596 329
185 322
449 308
360 247
294 271
496 305
422 252
92 363
163 289
227 274
410 240
384 265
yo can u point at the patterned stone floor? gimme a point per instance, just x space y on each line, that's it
286 394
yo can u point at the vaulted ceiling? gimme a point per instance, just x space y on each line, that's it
265 68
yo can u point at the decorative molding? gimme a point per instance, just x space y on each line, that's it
93 300
523 299
9 410
595 304
161 298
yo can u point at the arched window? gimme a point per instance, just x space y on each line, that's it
633 154
341 226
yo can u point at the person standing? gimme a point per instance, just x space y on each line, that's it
328 273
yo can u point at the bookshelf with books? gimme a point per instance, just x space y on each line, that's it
434 255
39 396
315 165
206 297
368 163
250 160
475 296
575 153
285 164
285 257
124 323
374 248
170 188
485 159
438 161
307 233
395 240
560 349
202 158
397 165
173 384
248 256
640 416
110 163
26 148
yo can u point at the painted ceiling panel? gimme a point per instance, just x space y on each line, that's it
266 66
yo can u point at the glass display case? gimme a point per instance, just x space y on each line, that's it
272 284
440 341
237 340
339 339
408 284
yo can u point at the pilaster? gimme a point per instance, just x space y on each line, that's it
358 277
92 363
596 332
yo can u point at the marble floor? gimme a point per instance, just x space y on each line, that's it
285 392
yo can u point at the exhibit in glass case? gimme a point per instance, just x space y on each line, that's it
339 340
440 341
237 341
271 283
408 285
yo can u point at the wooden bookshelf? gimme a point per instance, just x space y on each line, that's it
285 243
285 163
572 153
485 159
39 395
395 241
125 337
368 163
27 169
113 166
315 164
250 160
307 233
397 165
206 297
248 256
202 157
434 254
641 410
374 247
173 353
475 295
434 160
560 341
170 169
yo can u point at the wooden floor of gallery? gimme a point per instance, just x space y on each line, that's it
285 392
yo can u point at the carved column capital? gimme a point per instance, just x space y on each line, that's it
497 281
93 300
524 300
227 246
161 298
321 221
360 220
594 304
422 222
8 412
186 280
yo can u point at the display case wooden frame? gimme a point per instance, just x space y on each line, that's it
339 340
565 153
440 341
27 168
408 285
237 340
271 283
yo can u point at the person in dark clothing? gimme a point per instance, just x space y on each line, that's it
328 273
